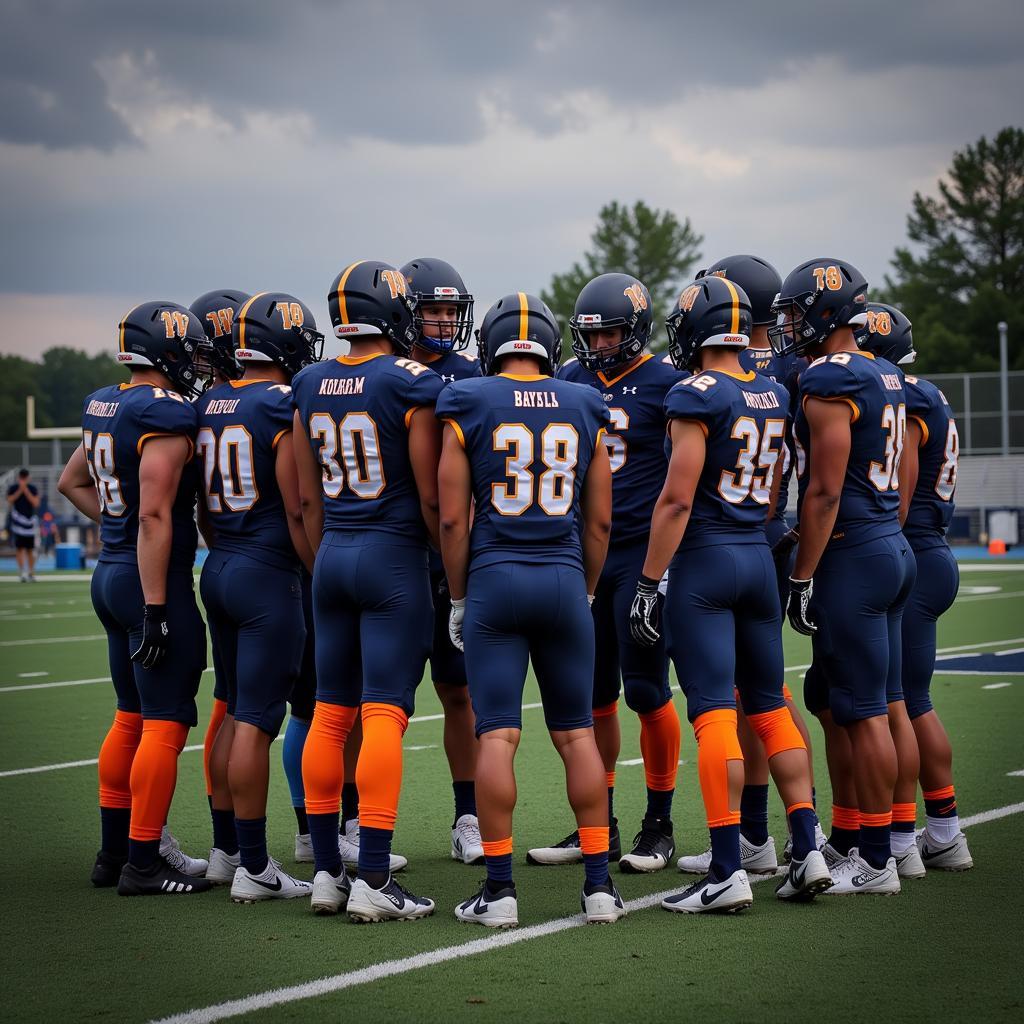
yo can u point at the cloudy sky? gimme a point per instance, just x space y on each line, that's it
158 150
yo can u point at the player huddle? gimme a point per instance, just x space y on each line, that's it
407 502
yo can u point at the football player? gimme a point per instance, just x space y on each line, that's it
444 322
853 569
250 585
761 282
526 448
927 473
611 330
368 485
133 473
727 428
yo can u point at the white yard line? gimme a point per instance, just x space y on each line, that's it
943 652
43 641
1002 595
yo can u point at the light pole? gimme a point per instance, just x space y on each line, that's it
1004 386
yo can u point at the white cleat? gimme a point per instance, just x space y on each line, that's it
223 867
805 879
758 860
270 884
171 851
954 856
603 904
304 848
466 843
492 910
909 863
707 896
329 893
348 847
855 876
389 903
833 858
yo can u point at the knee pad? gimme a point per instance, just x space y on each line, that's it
777 731
645 695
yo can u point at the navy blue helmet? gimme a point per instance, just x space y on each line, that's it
273 327
216 311
519 325
433 282
372 298
166 337
757 277
885 332
711 311
612 300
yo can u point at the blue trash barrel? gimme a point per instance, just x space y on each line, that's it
69 556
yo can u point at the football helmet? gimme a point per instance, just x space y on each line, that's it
816 299
612 300
886 332
216 311
711 311
273 327
166 337
519 325
757 277
433 281
369 298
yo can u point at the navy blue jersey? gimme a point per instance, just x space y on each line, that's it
357 414
240 423
931 504
873 388
530 441
117 421
636 438
453 366
744 423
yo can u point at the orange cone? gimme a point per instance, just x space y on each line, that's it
997 547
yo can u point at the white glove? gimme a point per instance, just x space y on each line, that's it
458 613
590 600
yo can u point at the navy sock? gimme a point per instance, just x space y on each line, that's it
301 820
224 836
754 814
349 802
611 804
842 840
873 844
596 867
499 870
323 831
143 853
291 757
659 803
465 799
725 851
801 825
252 843
114 822
374 851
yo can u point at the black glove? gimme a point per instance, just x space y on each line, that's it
155 637
645 614
798 606
782 549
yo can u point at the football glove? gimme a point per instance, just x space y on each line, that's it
798 606
590 600
644 614
782 549
455 618
155 637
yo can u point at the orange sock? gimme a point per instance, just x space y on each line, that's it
154 774
659 746
609 778
379 772
777 731
593 839
217 713
717 745
847 818
323 757
116 756
498 847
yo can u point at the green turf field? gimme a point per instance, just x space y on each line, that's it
946 949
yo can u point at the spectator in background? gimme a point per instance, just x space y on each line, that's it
49 532
23 499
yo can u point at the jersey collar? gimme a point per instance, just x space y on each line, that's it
525 376
356 360
251 380
749 375
640 362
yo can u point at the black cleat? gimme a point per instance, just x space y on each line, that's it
159 879
106 871
653 847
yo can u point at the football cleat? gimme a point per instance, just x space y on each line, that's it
389 903
348 847
270 884
171 851
805 879
329 893
954 856
466 843
159 879
653 847
758 860
602 904
820 839
854 876
833 858
909 863
708 896
492 910
304 848
106 871
568 851
222 867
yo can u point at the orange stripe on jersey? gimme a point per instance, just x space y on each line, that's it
342 306
458 431
524 316
836 398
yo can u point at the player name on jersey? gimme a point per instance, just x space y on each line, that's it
892 382
102 409
761 400
342 386
536 399
221 406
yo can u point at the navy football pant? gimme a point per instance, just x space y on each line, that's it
255 613
644 670
723 611
447 663
303 695
859 596
372 606
169 691
517 612
938 580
